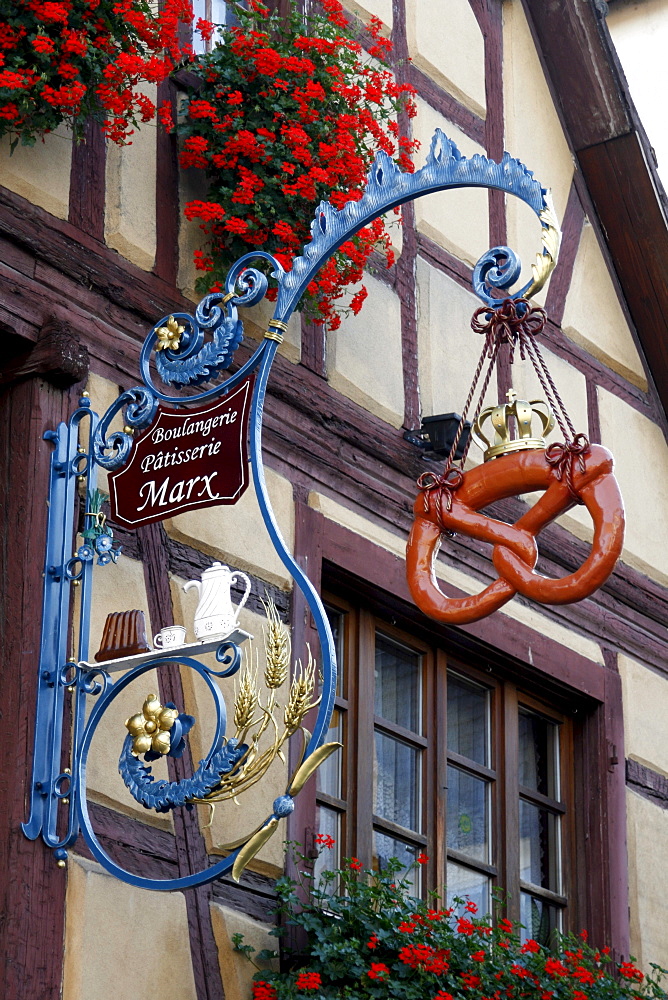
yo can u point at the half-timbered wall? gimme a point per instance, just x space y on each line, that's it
91 241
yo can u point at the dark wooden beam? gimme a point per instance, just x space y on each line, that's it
615 159
166 185
88 182
648 783
630 210
57 356
577 56
32 888
83 260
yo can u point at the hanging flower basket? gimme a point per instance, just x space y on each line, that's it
368 938
290 111
62 61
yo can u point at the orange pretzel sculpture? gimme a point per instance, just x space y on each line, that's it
441 507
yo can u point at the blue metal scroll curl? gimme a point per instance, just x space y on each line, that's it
222 755
198 360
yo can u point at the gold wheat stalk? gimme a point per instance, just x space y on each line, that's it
252 718
276 647
301 690
246 701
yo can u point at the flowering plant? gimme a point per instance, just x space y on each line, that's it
66 60
290 110
368 938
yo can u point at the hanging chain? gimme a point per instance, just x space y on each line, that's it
516 323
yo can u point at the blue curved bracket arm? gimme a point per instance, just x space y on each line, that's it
327 651
194 362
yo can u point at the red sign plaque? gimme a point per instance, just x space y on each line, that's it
186 459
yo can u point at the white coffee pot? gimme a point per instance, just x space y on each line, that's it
216 616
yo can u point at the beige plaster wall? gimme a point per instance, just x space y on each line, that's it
449 46
233 820
121 941
364 355
593 317
533 133
366 9
129 223
40 173
645 695
237 534
641 467
647 833
457 220
237 971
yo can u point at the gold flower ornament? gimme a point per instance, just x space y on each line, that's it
150 727
169 336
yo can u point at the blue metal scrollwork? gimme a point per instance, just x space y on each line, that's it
191 351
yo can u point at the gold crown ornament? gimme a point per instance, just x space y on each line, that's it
522 412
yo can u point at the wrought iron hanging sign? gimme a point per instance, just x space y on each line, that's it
190 452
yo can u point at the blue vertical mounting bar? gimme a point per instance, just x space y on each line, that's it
53 643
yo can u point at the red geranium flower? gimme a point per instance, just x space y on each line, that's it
97 65
41 43
378 971
291 117
308 981
263 991
629 971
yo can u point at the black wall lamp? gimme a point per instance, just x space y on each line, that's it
437 434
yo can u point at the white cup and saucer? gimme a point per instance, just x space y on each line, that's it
170 637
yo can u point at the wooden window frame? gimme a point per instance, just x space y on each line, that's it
586 690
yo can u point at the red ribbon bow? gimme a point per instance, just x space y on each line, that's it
446 486
505 323
561 455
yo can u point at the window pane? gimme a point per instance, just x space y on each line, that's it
468 720
466 884
396 785
211 10
329 824
385 847
337 625
397 688
539 846
538 750
538 918
467 814
328 775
